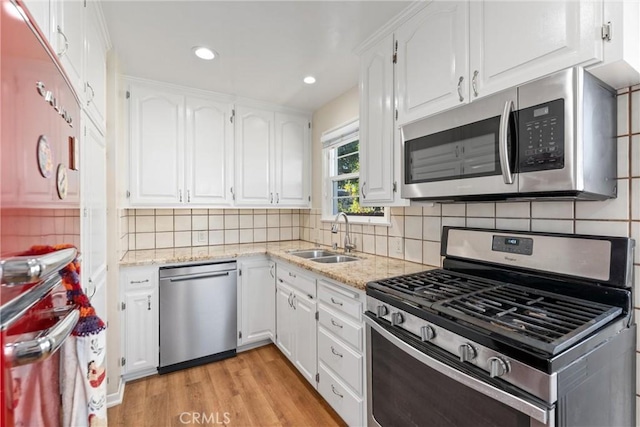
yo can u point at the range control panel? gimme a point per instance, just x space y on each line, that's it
541 137
512 245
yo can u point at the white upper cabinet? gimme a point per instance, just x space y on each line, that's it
514 42
41 12
292 160
95 87
209 152
157 146
432 60
254 147
379 147
67 38
272 158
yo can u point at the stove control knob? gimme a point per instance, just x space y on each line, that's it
467 352
498 367
382 310
397 319
427 333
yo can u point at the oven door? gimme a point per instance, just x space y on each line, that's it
411 386
466 152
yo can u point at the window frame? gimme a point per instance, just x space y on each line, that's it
332 140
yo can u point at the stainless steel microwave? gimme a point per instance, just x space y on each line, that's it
553 137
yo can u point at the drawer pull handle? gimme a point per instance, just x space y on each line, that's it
333 389
140 281
292 275
333 350
334 323
336 302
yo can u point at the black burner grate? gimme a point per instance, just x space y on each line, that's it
542 320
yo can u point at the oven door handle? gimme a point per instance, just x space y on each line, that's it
503 148
21 270
536 412
49 341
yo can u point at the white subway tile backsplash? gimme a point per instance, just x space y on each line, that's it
454 209
413 250
617 208
246 236
285 220
273 234
164 240
182 239
481 209
231 237
451 221
246 221
182 223
381 245
145 240
199 238
513 210
552 225
512 224
231 222
413 210
431 253
216 222
603 228
636 286
260 221
635 155
144 212
181 212
623 157
635 234
273 221
481 222
431 228
369 243
164 223
413 227
623 116
397 226
286 233
259 235
635 112
552 210
396 247
199 222
433 209
145 224
164 212
635 198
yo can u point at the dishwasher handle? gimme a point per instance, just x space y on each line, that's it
199 276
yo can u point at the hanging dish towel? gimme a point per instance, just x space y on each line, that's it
83 361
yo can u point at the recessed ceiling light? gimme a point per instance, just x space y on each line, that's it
309 80
204 53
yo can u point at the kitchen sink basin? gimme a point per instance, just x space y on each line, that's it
312 253
335 259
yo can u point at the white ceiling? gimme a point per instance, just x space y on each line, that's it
266 47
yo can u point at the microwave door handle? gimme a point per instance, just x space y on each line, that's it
503 148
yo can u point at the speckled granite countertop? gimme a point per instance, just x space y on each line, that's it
356 274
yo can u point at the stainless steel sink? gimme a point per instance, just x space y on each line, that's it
335 259
312 253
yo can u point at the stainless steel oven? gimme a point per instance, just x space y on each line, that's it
501 337
553 137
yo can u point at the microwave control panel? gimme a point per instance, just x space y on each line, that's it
541 137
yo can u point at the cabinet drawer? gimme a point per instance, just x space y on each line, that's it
346 363
139 278
340 326
340 300
303 282
342 400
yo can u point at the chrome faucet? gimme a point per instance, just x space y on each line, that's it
348 246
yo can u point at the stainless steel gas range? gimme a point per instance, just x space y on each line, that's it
516 329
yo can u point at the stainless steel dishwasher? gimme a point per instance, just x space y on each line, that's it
198 307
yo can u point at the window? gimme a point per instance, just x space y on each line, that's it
341 157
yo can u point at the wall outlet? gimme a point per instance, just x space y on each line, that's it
202 237
396 247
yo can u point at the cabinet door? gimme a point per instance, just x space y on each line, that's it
157 146
68 38
94 204
209 152
292 160
40 10
253 157
95 66
433 51
376 124
258 304
284 320
141 325
514 42
305 342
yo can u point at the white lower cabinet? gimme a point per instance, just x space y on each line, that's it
296 328
257 303
341 361
140 328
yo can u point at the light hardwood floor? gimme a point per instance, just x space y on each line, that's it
256 388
